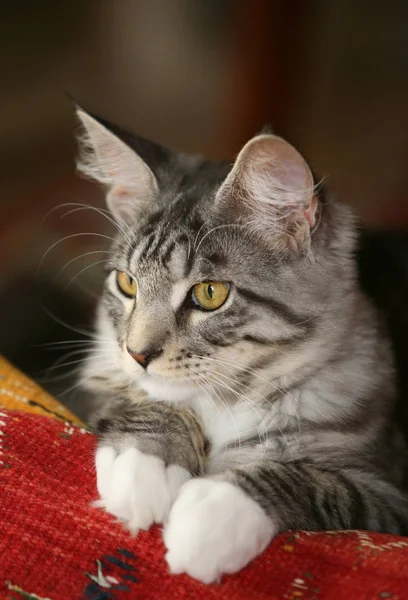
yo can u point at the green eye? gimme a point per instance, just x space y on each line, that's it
126 284
210 294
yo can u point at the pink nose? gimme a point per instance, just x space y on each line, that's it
144 358
141 359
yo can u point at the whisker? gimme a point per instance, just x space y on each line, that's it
73 387
103 213
61 365
68 237
68 347
71 373
79 257
98 262
91 346
57 364
215 229
242 397
200 385
189 246
64 324
242 368
197 236
245 398
268 401
224 404
66 342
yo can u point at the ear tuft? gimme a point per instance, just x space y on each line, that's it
105 158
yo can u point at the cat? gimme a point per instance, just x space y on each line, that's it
244 382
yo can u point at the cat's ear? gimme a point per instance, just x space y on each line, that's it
270 188
107 159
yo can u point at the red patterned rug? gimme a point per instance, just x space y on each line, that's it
53 545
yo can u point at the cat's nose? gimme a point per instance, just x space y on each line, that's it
144 357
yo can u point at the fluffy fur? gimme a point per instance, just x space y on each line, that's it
278 404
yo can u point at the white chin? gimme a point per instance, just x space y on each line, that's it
166 390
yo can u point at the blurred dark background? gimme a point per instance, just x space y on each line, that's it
196 75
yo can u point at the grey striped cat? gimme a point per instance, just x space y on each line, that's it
244 383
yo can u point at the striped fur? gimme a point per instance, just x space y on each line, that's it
173 434
288 390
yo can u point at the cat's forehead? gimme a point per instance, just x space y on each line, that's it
163 252
179 243
171 252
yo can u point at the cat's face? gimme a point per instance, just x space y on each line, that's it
213 274
187 298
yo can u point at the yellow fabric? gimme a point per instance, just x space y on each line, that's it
18 392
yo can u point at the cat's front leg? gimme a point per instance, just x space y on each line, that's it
145 453
219 524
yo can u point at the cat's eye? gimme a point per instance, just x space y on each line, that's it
210 295
126 284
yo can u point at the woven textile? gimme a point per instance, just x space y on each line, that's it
19 392
54 545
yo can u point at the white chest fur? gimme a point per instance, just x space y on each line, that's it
227 424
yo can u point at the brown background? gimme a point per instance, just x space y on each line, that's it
198 76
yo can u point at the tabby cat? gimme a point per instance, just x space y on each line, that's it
245 384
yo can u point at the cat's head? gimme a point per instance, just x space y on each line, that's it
219 271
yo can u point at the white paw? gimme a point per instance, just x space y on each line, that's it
214 528
136 488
